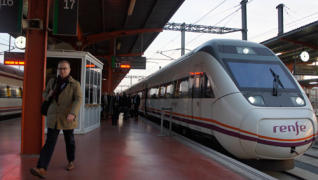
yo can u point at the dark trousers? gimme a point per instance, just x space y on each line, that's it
115 116
48 148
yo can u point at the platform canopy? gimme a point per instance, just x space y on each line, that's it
288 46
116 28
123 28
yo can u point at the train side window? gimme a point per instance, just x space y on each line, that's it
195 87
20 92
140 93
14 93
153 93
3 92
162 91
8 91
208 91
184 88
170 90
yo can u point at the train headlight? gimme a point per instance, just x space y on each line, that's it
256 100
298 101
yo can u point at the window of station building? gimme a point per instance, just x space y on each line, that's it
170 90
153 92
92 84
99 86
87 82
162 91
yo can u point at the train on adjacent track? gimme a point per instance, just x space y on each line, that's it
11 87
240 93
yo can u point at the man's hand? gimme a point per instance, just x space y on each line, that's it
70 117
50 93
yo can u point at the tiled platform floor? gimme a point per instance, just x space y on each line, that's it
130 151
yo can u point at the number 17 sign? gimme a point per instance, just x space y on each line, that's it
65 17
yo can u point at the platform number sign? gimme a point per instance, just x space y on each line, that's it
65 17
10 16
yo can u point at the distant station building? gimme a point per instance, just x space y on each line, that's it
298 49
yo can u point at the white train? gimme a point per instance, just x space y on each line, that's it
239 92
11 83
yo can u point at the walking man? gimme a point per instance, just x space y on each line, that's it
62 115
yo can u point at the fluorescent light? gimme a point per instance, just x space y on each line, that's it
131 7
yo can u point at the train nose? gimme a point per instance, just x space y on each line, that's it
284 137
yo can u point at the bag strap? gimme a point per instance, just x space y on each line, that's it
54 82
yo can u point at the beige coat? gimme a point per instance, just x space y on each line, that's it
69 101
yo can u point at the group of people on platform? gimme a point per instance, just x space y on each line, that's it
113 105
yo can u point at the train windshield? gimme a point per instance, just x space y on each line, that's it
260 75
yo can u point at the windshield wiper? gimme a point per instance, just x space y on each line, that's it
276 82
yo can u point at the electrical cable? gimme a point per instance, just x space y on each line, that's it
286 25
199 35
206 14
202 17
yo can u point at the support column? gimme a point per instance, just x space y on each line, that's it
280 9
110 76
104 79
244 19
182 39
32 135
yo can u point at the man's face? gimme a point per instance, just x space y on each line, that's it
64 69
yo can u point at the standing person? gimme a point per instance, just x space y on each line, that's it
62 115
125 103
136 103
116 109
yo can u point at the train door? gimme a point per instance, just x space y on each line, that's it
182 102
196 82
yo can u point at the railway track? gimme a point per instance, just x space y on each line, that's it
306 167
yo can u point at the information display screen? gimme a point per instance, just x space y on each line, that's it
10 16
65 17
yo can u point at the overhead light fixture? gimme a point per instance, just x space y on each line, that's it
304 56
131 7
313 83
118 46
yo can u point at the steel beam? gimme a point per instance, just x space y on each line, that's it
32 136
95 38
199 28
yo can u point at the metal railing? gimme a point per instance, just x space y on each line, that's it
165 110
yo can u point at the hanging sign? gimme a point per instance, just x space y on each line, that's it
10 16
65 17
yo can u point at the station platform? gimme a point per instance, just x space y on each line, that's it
131 150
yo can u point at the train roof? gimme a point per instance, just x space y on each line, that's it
11 70
214 43
232 42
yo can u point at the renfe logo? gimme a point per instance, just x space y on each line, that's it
290 128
